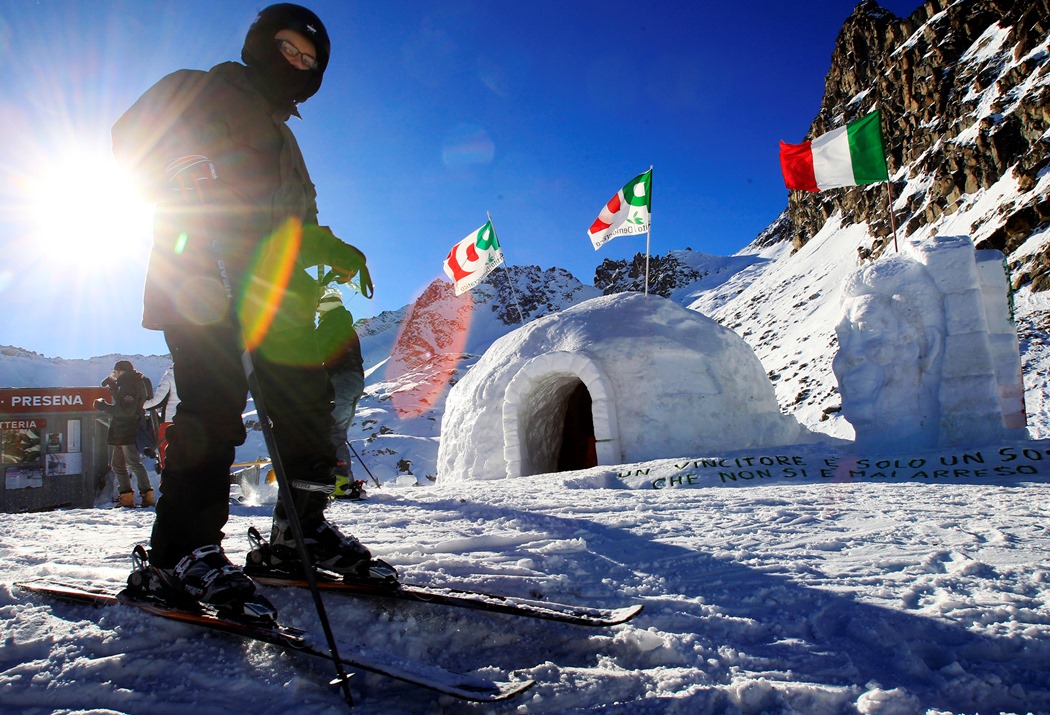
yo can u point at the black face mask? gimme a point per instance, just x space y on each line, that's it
280 82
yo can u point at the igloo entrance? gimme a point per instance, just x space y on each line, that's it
558 416
577 449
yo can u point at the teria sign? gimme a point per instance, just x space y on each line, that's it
22 424
34 400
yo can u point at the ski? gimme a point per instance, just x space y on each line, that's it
384 584
461 686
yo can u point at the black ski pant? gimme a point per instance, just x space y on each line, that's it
208 426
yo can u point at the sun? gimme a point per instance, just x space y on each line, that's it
85 210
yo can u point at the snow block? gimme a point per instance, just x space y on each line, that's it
949 260
1006 358
973 395
948 305
964 312
968 354
961 428
995 287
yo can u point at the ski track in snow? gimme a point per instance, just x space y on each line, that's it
815 598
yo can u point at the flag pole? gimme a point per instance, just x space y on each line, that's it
647 260
510 282
889 207
647 230
889 179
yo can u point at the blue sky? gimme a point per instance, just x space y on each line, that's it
431 115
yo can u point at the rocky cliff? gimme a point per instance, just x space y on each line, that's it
965 101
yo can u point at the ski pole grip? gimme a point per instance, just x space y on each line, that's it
364 278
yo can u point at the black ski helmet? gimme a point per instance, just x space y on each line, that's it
260 51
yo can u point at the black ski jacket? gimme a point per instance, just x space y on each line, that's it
128 394
262 186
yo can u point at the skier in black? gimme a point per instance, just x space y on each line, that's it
128 391
235 203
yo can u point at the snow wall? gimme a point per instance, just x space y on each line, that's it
620 378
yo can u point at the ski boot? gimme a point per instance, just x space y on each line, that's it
204 579
265 559
328 547
348 488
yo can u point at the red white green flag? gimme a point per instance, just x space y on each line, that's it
626 213
473 258
847 156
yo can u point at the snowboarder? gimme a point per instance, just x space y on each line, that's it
341 348
235 204
128 391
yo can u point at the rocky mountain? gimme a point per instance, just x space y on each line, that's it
666 274
965 102
963 88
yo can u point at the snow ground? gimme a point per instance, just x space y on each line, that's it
895 596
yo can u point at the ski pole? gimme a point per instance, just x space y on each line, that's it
284 489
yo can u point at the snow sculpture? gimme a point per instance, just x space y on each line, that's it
928 354
621 378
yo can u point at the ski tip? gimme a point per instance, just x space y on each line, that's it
622 615
494 692
513 690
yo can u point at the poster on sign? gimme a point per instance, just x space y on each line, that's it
23 476
56 442
20 446
63 463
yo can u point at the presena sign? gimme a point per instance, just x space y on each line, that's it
35 400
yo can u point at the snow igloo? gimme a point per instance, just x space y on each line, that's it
617 379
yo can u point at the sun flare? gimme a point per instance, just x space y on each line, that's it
85 210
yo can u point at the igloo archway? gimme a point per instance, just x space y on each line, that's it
661 381
542 407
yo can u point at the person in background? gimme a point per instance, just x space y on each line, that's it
164 402
165 397
128 392
235 234
341 349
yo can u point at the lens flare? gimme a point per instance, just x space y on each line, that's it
423 362
266 289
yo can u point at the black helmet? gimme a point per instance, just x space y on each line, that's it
261 52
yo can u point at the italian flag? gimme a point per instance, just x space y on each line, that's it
847 156
626 213
473 258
